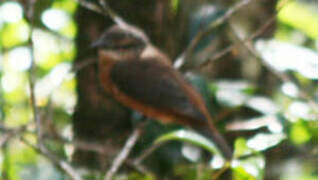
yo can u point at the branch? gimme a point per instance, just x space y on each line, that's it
122 156
201 34
81 144
41 147
32 78
146 153
63 165
82 64
140 168
104 10
247 40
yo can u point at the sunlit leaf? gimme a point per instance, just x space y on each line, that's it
69 30
18 115
284 56
262 104
251 168
300 16
20 58
191 152
241 148
67 5
12 81
51 50
190 137
20 158
14 34
299 109
11 12
299 133
239 173
290 89
55 19
262 141
272 122
18 96
60 21
233 93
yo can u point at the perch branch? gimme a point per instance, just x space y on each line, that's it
123 154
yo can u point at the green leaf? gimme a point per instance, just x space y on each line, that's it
14 34
251 168
262 104
232 93
299 133
190 137
240 147
66 5
241 174
301 16
284 56
263 141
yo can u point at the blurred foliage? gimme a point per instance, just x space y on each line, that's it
284 118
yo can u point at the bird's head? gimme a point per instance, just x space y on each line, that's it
122 43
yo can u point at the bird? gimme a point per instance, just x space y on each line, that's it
141 77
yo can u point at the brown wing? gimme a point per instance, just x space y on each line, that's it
156 85
162 89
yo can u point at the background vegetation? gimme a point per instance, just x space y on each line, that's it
254 61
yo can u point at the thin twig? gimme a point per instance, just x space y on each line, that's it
83 64
140 168
146 153
91 6
122 156
247 40
228 49
111 13
41 147
104 10
63 165
32 70
201 34
81 144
